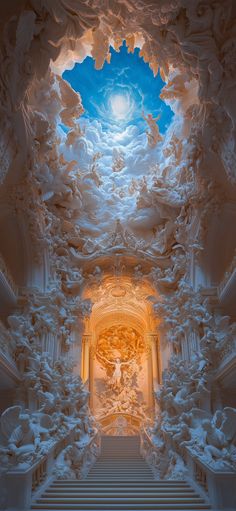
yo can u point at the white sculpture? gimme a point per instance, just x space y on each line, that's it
215 442
117 372
75 461
118 160
21 438
153 135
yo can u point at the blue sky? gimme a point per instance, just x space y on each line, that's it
114 130
116 95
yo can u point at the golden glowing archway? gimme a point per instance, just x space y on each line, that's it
121 355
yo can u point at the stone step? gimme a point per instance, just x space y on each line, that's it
99 494
114 492
120 456
118 479
165 482
119 475
114 467
118 484
119 471
121 461
122 499
102 468
126 507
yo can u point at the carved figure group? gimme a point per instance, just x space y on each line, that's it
153 135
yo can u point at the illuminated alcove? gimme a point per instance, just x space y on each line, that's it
121 359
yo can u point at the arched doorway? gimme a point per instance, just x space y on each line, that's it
121 360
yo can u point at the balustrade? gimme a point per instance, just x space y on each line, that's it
5 341
227 284
228 350
218 485
150 453
8 277
200 476
9 372
39 474
26 480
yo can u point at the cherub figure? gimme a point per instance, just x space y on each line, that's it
153 135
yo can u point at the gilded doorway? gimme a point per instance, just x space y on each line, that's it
121 356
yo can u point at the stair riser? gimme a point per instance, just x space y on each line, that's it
119 468
135 507
126 473
120 463
124 466
116 496
114 493
121 484
120 501
168 484
141 479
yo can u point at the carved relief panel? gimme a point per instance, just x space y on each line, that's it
120 372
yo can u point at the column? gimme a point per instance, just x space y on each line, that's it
85 357
153 339
91 375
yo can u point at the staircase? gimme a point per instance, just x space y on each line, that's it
120 480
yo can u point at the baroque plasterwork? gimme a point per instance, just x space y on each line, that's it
194 45
120 342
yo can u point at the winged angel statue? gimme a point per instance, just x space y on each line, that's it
20 436
215 444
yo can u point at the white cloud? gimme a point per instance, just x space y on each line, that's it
114 198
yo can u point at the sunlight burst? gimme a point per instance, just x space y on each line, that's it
120 106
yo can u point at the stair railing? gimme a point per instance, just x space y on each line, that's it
22 481
150 453
216 486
